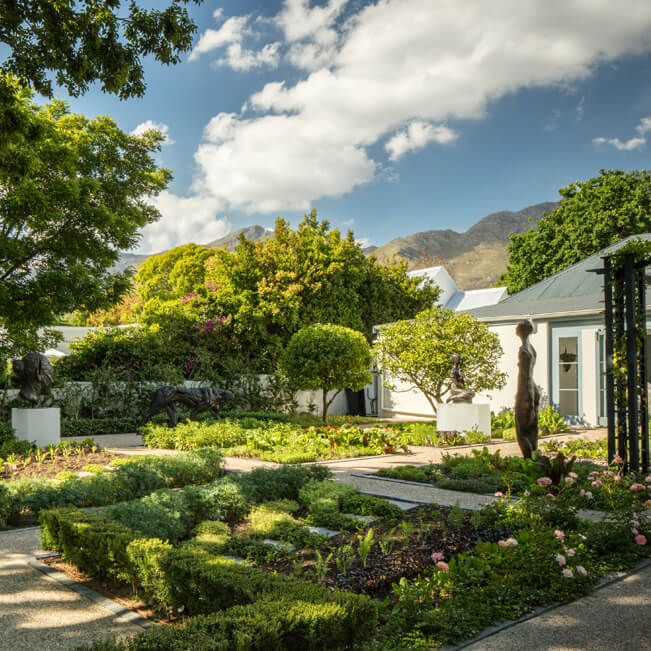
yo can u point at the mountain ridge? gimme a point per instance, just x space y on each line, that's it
475 258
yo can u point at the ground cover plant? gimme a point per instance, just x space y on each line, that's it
283 442
132 477
437 575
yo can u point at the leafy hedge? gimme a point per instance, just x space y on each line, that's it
97 426
134 477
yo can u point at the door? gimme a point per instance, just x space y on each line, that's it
566 375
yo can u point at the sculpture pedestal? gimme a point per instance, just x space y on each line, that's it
463 416
39 426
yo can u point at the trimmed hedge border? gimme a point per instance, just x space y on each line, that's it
133 478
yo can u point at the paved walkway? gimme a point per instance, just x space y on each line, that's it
37 612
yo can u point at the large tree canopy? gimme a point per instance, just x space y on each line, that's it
73 193
589 217
83 41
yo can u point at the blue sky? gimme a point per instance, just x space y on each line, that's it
393 116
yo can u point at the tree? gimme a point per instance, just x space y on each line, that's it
72 195
327 357
590 216
313 274
83 41
418 351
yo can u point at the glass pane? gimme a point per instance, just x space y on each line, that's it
567 346
568 376
568 403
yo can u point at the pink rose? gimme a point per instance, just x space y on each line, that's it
638 487
640 539
596 483
442 565
617 478
559 534
647 479
499 494
526 493
581 570
544 481
551 496
582 492
560 559
570 553
502 543
648 504
511 542
568 480
588 494
437 556
573 475
617 459
568 574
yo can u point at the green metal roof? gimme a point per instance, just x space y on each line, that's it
572 291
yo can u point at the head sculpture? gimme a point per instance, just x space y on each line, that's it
524 329
35 375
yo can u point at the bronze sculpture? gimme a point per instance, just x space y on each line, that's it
35 375
457 382
527 396
198 400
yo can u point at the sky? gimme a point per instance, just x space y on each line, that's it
389 117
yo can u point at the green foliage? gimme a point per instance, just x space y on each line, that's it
579 447
4 507
365 545
329 358
271 520
88 42
590 216
505 419
551 422
406 473
556 469
96 426
325 495
72 198
136 477
369 505
418 352
261 484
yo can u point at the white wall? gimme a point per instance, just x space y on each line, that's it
589 376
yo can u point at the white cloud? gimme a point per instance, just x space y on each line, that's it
631 143
416 136
232 31
184 219
622 145
392 65
159 126
580 109
644 126
240 58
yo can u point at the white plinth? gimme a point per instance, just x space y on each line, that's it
463 417
40 426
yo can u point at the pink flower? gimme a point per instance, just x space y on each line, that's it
648 504
526 493
617 459
499 494
581 570
573 475
588 494
551 496
638 487
502 543
570 553
647 479
560 559
569 480
582 492
437 556
442 565
640 539
559 534
634 531
596 483
568 574
544 481
511 542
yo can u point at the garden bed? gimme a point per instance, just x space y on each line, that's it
48 463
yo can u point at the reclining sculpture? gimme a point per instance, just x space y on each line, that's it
198 400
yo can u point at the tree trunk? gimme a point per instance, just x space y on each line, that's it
325 404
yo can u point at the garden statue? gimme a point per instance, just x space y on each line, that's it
527 396
198 400
35 375
457 383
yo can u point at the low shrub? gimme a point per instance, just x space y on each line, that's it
224 500
406 473
369 505
97 426
325 495
4 507
135 477
510 434
263 485
268 521
551 422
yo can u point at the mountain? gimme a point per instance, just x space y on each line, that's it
475 258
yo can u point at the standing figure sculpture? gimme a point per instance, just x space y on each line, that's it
35 375
527 396
457 382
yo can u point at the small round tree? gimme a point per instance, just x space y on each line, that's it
418 351
327 357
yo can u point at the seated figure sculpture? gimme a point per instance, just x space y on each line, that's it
198 400
457 383
35 374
